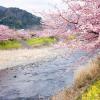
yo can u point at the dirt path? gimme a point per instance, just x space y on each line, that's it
39 73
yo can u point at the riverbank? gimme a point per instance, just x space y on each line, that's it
26 43
11 58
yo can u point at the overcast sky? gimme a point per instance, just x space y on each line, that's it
32 5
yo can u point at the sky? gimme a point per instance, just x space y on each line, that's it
33 6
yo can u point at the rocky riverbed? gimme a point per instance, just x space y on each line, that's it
37 74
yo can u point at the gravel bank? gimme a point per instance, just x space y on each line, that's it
11 58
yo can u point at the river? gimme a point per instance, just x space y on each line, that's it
41 78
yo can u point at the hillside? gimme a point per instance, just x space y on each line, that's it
18 18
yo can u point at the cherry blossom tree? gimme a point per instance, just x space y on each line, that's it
81 16
86 17
6 33
10 34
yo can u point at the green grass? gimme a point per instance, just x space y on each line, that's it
14 44
9 44
40 41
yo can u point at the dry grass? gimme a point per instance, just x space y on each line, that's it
88 73
83 78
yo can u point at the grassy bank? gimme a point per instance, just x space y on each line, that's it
14 44
90 81
9 44
40 41
87 73
86 85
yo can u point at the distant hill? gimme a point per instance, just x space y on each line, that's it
18 18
